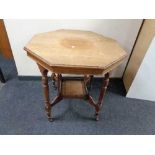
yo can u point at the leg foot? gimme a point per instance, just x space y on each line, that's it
48 112
50 119
96 116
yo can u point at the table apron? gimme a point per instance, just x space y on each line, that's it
67 70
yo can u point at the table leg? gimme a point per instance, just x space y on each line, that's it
46 91
91 79
59 96
88 80
101 96
54 80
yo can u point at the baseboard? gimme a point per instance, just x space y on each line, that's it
37 78
29 78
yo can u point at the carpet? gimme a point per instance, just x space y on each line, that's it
22 111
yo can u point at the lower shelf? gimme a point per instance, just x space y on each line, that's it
73 88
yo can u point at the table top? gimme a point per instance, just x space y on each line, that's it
75 48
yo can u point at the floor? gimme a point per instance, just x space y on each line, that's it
22 110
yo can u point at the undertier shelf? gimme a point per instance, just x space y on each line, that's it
73 88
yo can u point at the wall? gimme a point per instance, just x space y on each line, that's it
21 31
143 85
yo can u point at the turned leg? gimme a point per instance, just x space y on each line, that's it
101 96
91 79
46 91
59 96
88 80
54 80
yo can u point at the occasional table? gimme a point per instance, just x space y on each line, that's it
74 52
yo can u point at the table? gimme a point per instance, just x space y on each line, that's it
74 52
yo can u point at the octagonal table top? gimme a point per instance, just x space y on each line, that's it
75 48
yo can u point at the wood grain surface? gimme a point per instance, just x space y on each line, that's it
75 48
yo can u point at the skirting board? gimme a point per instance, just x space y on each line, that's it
116 83
30 78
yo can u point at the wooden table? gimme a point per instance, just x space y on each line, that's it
74 52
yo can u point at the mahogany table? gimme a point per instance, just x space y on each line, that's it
74 52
